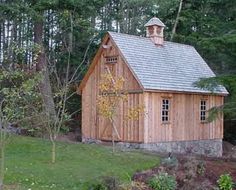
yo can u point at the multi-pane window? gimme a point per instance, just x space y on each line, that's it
203 110
165 114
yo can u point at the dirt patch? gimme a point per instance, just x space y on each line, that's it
191 172
216 168
69 137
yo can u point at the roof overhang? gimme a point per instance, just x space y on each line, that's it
93 64
186 92
97 56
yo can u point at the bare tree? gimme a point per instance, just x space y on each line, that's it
61 92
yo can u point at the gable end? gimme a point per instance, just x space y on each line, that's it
108 60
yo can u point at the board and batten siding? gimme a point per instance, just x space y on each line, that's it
94 125
184 124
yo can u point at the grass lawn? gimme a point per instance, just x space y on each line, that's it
28 164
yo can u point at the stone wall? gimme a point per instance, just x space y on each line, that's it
90 141
202 147
211 147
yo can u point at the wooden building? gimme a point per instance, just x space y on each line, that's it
159 75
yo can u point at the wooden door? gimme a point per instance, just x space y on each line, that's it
105 130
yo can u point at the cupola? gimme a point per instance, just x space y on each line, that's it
154 31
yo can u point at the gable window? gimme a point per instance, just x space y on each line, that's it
203 110
111 59
165 114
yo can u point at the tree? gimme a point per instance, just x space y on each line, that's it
109 99
210 27
49 41
19 98
229 81
41 66
177 20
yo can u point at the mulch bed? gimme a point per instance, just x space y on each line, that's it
187 171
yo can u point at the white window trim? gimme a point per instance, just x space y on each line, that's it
165 108
203 110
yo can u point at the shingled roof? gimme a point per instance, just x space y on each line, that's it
171 67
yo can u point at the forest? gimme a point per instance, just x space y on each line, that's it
63 37
46 47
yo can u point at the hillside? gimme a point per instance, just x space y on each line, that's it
78 165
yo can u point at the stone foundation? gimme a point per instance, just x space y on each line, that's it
211 148
90 141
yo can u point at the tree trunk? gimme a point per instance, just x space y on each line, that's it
113 141
2 163
93 22
53 152
2 152
113 136
41 66
122 17
177 20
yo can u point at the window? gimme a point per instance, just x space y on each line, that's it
158 29
112 59
150 30
203 110
165 115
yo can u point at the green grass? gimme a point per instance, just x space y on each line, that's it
78 165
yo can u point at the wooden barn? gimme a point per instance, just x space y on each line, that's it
159 75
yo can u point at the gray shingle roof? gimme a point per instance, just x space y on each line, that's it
172 66
154 21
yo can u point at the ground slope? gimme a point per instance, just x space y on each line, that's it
28 164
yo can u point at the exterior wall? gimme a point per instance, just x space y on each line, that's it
129 130
185 124
94 126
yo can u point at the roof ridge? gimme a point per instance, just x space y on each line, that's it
132 35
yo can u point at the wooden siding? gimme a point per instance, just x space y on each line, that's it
184 122
129 130
94 125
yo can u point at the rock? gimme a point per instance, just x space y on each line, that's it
14 129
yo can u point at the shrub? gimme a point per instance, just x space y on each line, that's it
163 181
225 182
201 168
193 168
170 162
111 182
106 183
98 186
133 185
